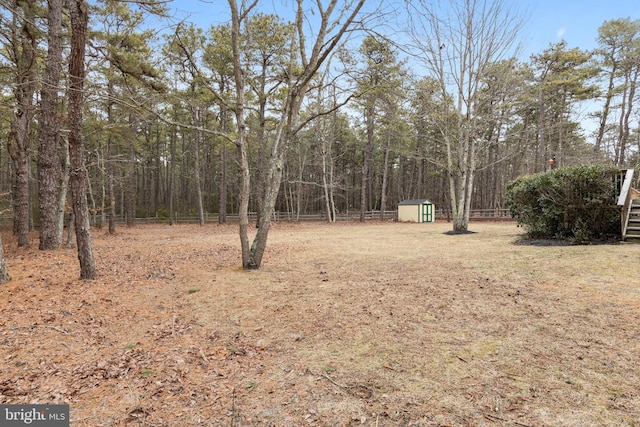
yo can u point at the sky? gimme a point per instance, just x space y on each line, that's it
575 21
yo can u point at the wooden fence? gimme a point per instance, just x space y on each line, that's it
391 215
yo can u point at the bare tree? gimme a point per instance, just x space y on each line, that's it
238 15
326 135
303 66
457 40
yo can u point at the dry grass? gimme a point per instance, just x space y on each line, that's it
382 324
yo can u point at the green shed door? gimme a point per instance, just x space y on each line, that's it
427 212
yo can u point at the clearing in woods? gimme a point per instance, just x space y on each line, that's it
376 324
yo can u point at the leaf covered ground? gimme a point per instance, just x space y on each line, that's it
376 324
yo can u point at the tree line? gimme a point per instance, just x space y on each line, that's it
115 110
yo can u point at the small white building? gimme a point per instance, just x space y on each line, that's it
418 210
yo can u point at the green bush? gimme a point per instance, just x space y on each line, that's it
577 202
162 213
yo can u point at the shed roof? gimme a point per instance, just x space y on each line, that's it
415 202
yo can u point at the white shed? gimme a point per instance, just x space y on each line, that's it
418 210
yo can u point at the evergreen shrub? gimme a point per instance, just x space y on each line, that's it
577 202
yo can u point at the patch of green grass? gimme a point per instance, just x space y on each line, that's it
329 369
252 386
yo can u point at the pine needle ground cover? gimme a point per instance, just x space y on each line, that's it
381 324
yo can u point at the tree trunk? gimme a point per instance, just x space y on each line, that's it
48 159
172 169
275 171
222 169
420 162
19 139
103 190
624 132
605 110
282 139
196 167
243 209
260 172
385 176
20 187
111 195
158 176
366 163
4 274
147 173
241 143
299 198
455 186
222 185
327 179
458 196
91 200
623 109
69 243
64 186
130 189
79 20
469 184
198 184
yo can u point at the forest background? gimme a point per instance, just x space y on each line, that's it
346 107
